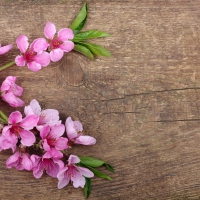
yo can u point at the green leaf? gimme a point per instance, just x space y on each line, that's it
3 121
87 187
98 173
4 117
89 35
95 49
83 50
94 162
80 20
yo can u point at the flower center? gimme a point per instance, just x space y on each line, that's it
55 43
16 130
29 56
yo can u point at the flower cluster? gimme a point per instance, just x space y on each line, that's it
39 143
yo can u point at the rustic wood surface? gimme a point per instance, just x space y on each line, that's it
142 104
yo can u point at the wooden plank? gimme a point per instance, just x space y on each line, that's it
142 104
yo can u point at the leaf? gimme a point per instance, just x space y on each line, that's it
4 117
87 187
94 162
97 173
89 35
3 121
83 50
95 49
80 20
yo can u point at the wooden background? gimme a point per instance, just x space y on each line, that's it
142 104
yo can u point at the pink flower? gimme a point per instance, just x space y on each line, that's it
74 173
10 92
74 132
46 117
51 166
57 43
35 61
20 161
18 128
5 49
52 141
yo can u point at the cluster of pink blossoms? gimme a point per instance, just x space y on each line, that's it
39 143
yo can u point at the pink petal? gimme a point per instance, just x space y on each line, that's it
78 126
46 147
5 49
19 61
22 43
85 140
8 82
67 46
26 162
12 159
61 143
63 178
57 131
8 142
15 117
16 90
43 58
65 34
56 54
52 169
35 107
38 170
44 132
71 132
78 179
29 122
28 110
53 153
12 100
35 159
27 138
73 159
85 172
34 66
49 30
40 44
50 117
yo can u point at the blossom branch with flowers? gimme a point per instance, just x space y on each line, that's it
38 139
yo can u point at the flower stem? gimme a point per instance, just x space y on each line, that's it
4 117
7 65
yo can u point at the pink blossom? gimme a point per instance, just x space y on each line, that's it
46 117
5 49
52 141
74 173
50 165
74 132
35 61
56 43
20 161
18 128
10 92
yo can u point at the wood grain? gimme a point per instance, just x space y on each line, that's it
142 104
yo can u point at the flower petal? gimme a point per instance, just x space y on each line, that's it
12 160
53 153
57 131
46 146
29 122
38 170
44 132
61 143
71 132
26 162
27 138
73 159
56 54
40 44
22 43
34 66
5 49
43 59
20 61
78 179
63 178
35 107
85 172
15 117
52 169
49 30
28 110
12 100
65 34
85 140
67 46
8 82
